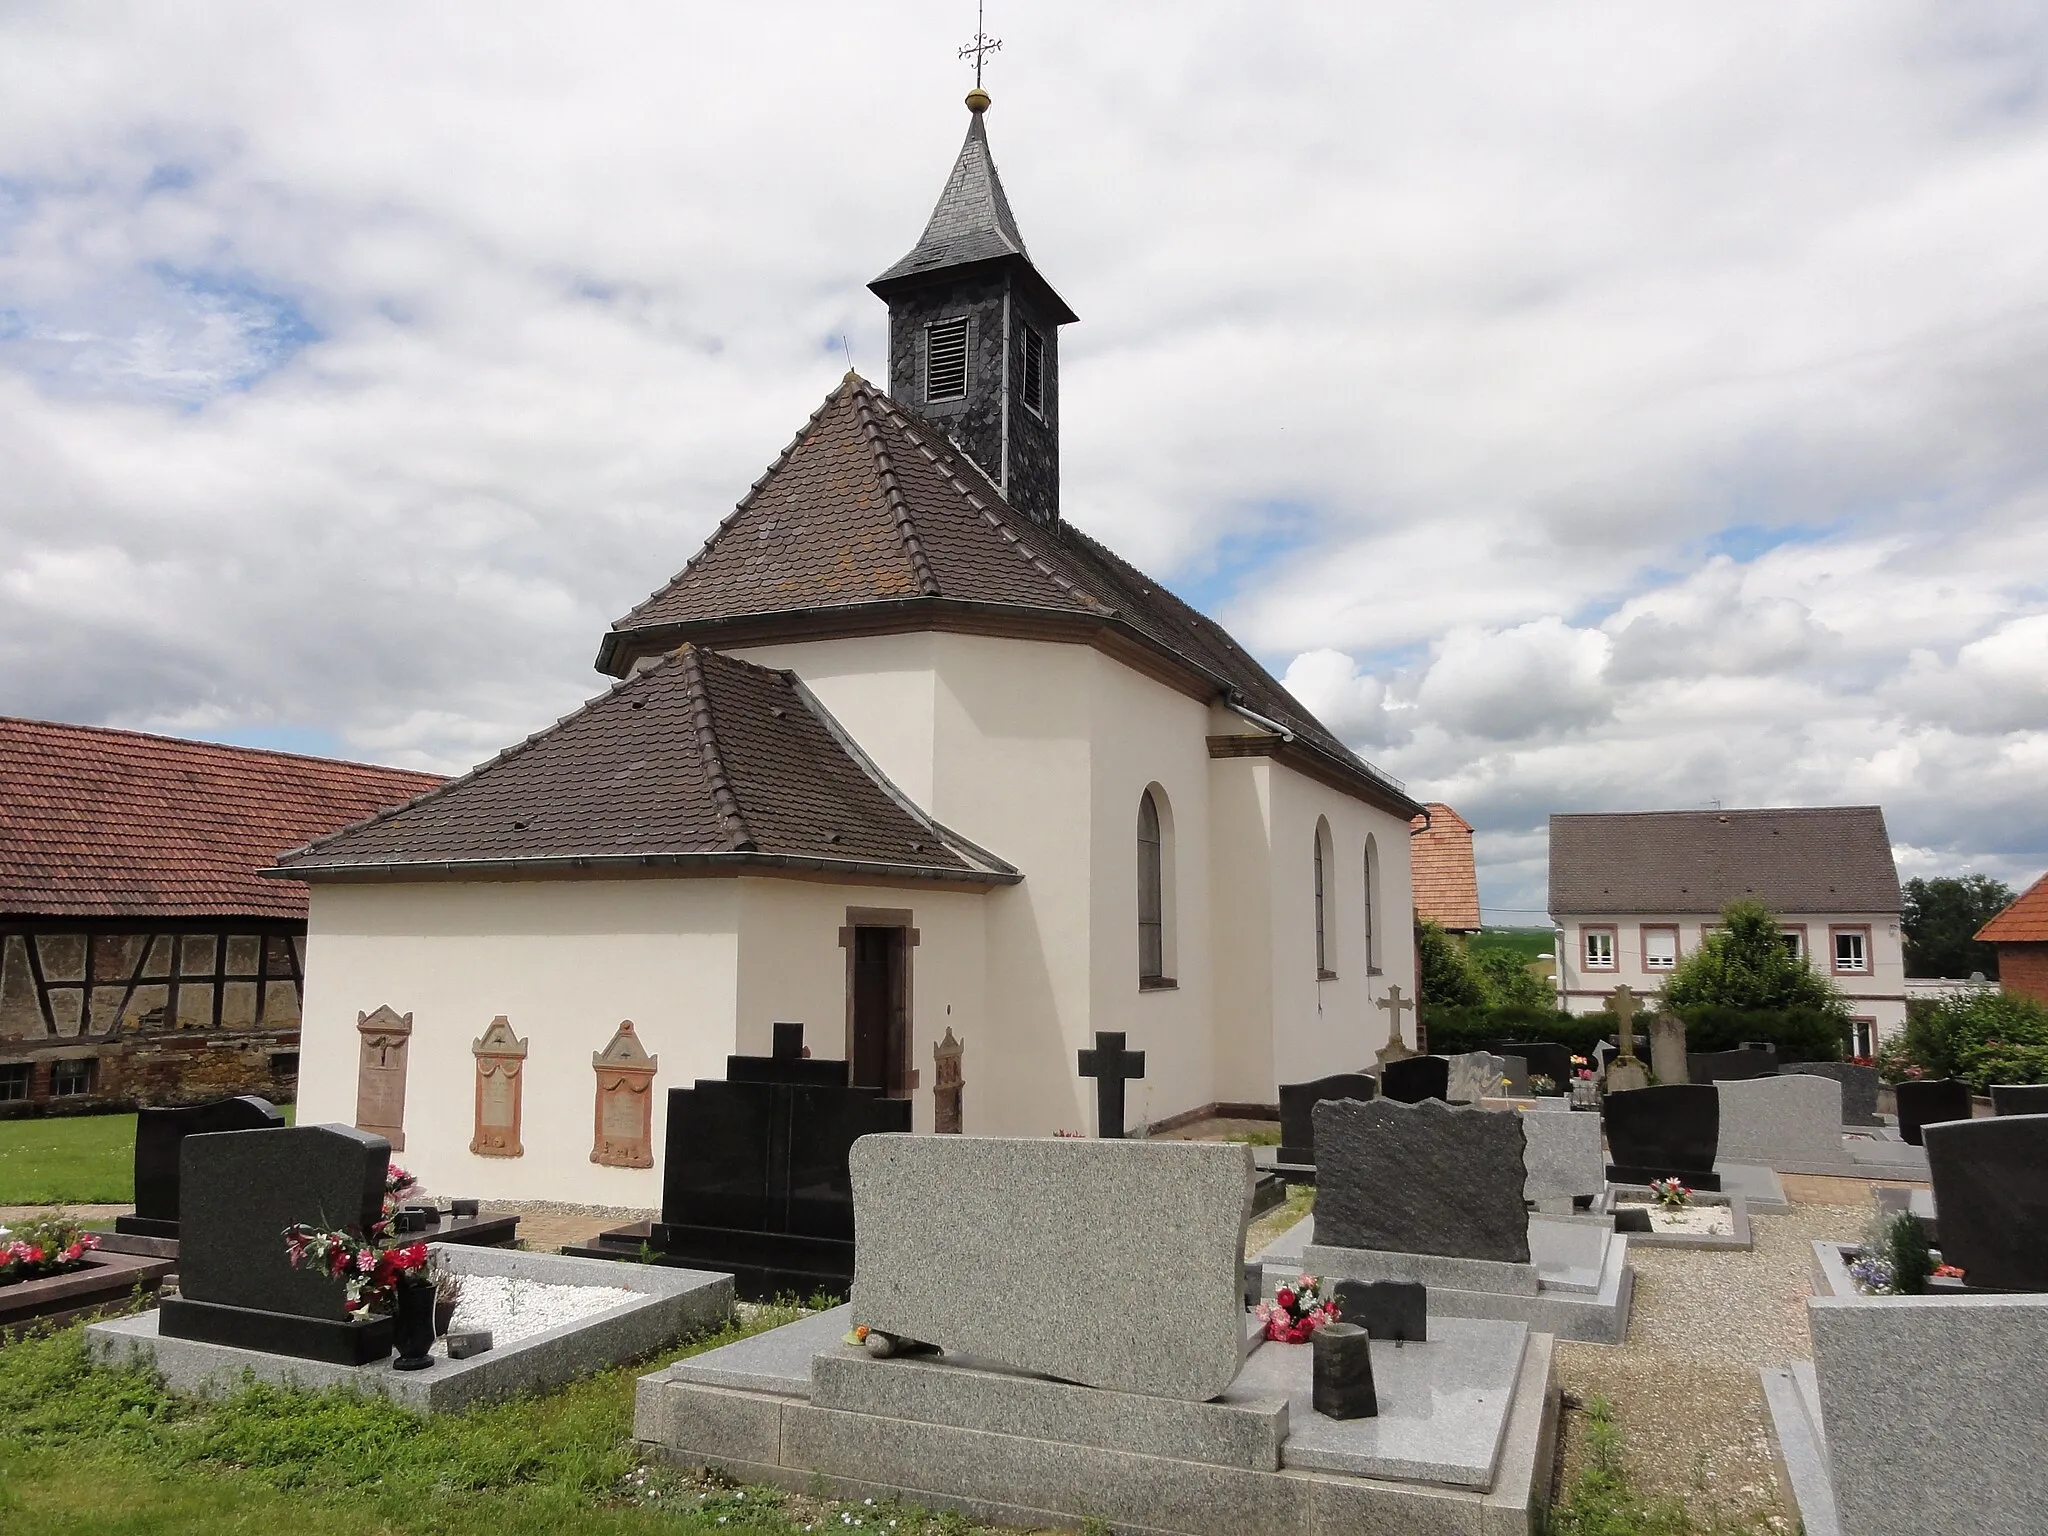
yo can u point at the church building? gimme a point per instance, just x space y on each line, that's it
900 755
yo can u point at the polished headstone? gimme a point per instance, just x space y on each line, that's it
1116 1264
1991 1189
1421 1178
1564 1160
1387 1309
1475 1075
1790 1122
786 1063
1297 1107
1859 1086
1931 1101
1731 1066
1415 1078
1672 1130
1111 1066
2019 1098
160 1135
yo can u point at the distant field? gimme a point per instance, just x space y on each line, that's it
70 1160
1526 942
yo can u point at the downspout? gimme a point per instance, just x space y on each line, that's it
1257 719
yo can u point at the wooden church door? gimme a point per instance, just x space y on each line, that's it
880 1054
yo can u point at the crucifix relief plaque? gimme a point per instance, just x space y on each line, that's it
384 1038
500 1080
625 1102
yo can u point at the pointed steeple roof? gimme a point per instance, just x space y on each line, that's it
971 224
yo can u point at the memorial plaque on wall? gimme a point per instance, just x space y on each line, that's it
385 1037
625 1102
500 1079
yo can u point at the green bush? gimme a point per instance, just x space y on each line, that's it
1748 965
1799 1034
1452 1030
1445 974
1980 1037
1509 980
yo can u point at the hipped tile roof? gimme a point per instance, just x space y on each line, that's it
107 823
699 759
873 509
1815 859
2024 922
1440 860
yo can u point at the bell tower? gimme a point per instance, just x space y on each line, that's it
974 331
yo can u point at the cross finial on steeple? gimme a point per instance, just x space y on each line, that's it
982 46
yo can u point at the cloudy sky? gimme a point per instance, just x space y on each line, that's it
1584 406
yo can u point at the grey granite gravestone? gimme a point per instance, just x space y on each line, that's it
1791 1123
1859 1086
2019 1098
1475 1075
1516 1070
1116 1264
1564 1159
1991 1192
239 1191
1421 1178
1667 1048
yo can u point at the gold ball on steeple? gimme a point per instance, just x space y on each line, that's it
977 100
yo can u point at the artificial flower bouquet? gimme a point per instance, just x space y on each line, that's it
48 1246
1671 1194
372 1267
1296 1311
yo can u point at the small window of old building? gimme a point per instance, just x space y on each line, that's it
15 1077
1599 949
69 1079
945 360
1660 949
1151 891
1034 371
1851 956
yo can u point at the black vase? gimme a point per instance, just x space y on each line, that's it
1341 1385
413 1334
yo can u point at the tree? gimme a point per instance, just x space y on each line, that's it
1509 980
1941 920
1445 976
1748 964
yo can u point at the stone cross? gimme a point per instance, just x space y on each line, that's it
1111 1066
1625 1005
947 1086
1626 1071
1395 1005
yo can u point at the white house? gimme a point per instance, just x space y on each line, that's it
899 755
1632 893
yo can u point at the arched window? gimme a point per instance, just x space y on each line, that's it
1372 905
1155 868
1323 971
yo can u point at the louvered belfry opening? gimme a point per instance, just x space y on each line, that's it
945 361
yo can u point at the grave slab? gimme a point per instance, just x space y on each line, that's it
1762 1191
1991 1188
1423 1178
1793 1399
1739 1238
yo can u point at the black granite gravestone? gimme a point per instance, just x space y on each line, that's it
159 1134
1991 1189
1387 1309
1421 1178
1111 1066
1859 1086
2015 1098
1546 1058
1931 1101
1738 1066
239 1191
1670 1131
755 1182
1415 1078
1297 1109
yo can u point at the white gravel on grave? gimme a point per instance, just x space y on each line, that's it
1692 1220
513 1308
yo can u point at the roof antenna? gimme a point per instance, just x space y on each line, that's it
982 46
850 369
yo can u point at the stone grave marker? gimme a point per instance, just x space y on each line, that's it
500 1086
1791 1122
1991 1192
1859 1086
1737 1066
1297 1110
1542 1058
1626 1071
1669 1131
2019 1098
948 1084
1421 1178
1397 1048
1115 1265
239 1191
1931 1101
159 1141
1667 1049
1472 1076
1415 1078
1111 1066
623 1136
1387 1309
1516 1070
1565 1161
755 1180
384 1039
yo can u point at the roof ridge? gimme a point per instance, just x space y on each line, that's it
214 746
892 487
722 795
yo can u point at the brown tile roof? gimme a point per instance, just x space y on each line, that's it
102 823
1440 856
697 760
1818 859
873 516
2024 922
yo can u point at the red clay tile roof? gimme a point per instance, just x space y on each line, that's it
2024 922
100 823
1835 858
699 760
1440 855
872 514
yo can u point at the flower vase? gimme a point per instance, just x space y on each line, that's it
414 1331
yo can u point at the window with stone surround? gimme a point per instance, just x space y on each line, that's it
1152 891
74 1077
945 360
1597 945
1852 950
1323 970
1372 904
1660 947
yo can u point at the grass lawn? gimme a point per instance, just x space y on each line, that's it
1526 942
70 1160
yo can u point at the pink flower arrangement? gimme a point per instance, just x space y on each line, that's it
371 1267
1296 1311
47 1247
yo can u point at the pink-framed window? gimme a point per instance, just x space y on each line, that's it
1660 946
1849 949
1596 948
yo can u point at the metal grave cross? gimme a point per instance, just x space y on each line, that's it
1111 1066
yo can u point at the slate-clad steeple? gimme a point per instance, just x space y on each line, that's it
974 331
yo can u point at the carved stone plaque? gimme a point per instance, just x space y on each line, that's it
385 1037
500 1078
625 1102
947 1086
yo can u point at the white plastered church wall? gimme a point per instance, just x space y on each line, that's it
565 961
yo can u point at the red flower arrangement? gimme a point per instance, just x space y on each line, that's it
50 1246
1296 1311
373 1266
